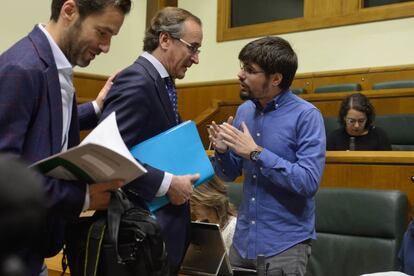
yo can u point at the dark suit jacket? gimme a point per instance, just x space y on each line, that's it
31 128
143 110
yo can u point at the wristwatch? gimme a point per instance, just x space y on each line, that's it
254 155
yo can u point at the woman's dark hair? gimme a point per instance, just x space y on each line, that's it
358 102
169 20
88 7
273 55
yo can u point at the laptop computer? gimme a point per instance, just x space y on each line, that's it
206 254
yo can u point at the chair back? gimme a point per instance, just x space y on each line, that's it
399 129
338 88
358 231
393 84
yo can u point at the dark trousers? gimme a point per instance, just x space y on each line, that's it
291 262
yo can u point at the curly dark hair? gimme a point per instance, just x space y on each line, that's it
359 102
273 55
88 7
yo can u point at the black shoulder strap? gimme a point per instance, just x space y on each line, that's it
93 247
119 203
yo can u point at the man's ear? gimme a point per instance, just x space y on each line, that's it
69 11
164 40
276 79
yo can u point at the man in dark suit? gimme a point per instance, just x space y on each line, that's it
38 114
145 107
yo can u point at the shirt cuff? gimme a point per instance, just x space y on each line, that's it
98 111
165 185
86 203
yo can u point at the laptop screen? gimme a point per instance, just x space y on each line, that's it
206 252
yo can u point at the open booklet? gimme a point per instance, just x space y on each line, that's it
102 156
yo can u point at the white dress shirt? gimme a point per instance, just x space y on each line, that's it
65 71
166 182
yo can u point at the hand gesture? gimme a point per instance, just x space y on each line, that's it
181 188
239 141
215 137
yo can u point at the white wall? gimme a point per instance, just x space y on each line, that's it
358 46
17 18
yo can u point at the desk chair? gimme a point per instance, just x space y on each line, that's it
338 88
358 231
393 84
298 91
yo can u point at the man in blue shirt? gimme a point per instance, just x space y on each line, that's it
277 141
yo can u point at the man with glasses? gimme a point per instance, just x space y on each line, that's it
277 140
144 98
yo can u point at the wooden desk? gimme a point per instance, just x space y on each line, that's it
393 170
371 170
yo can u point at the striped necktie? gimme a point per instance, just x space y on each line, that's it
172 93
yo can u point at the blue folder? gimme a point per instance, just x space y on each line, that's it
179 151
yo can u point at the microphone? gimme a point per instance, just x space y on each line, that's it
351 143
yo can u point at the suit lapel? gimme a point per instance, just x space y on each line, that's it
161 90
42 46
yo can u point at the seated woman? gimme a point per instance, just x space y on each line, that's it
210 203
357 131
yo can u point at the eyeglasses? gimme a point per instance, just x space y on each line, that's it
249 69
352 121
193 49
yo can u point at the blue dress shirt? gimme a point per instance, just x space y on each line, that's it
278 208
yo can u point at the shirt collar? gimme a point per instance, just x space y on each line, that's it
62 63
157 64
273 104
270 106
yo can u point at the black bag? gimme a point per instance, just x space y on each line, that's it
123 241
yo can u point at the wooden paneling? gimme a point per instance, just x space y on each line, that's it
326 8
154 5
304 81
192 100
387 101
341 79
317 14
376 75
88 85
372 170
196 98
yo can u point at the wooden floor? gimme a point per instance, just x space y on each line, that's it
54 265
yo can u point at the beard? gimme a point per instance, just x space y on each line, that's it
245 95
245 92
74 46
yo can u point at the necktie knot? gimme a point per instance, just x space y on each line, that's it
172 94
169 82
